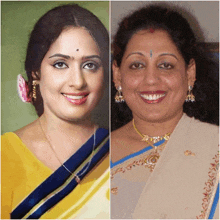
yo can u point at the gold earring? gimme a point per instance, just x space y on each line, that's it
190 97
34 91
119 97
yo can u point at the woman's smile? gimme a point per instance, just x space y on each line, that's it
153 76
76 98
72 75
152 97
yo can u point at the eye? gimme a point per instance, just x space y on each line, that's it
91 66
165 65
60 65
136 65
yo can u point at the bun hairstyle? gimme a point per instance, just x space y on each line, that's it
163 18
47 30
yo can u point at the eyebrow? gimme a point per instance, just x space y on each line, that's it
92 56
60 55
68 57
163 54
170 54
134 53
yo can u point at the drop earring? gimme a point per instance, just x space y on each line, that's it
119 97
190 97
34 90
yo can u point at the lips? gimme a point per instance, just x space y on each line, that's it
76 98
152 97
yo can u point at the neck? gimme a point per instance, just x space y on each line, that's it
157 128
66 130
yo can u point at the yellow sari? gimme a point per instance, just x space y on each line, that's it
32 190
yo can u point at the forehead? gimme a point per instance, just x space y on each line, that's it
74 39
158 41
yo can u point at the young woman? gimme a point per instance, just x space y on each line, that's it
57 166
164 163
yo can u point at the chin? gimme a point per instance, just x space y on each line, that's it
74 116
155 118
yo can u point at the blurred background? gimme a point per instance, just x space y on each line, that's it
202 15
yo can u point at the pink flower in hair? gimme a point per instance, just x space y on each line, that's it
22 88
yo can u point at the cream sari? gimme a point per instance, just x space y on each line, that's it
183 183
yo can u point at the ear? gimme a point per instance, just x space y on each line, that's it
191 72
35 75
116 74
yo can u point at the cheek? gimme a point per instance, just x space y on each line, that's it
177 84
50 85
96 83
129 82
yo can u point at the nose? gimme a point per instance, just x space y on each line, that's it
77 79
151 75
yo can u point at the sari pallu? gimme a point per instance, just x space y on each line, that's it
184 182
61 195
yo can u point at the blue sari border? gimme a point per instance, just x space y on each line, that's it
214 204
135 154
59 176
71 185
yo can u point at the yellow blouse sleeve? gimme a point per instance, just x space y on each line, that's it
11 169
6 179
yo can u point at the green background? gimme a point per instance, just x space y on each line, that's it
17 22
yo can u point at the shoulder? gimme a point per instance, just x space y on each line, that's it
120 141
9 141
20 141
30 134
120 135
197 126
201 133
204 128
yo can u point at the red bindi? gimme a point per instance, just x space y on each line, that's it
152 30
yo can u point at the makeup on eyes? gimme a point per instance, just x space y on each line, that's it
165 65
91 63
60 65
136 65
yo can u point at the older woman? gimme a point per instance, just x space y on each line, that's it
57 166
164 163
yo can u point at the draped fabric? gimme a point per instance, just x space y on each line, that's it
182 184
31 190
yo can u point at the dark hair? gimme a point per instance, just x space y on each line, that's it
160 17
47 30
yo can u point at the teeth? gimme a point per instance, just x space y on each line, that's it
73 97
152 97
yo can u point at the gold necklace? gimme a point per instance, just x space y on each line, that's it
77 178
149 139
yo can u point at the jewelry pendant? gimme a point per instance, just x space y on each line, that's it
145 138
77 179
151 160
166 137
